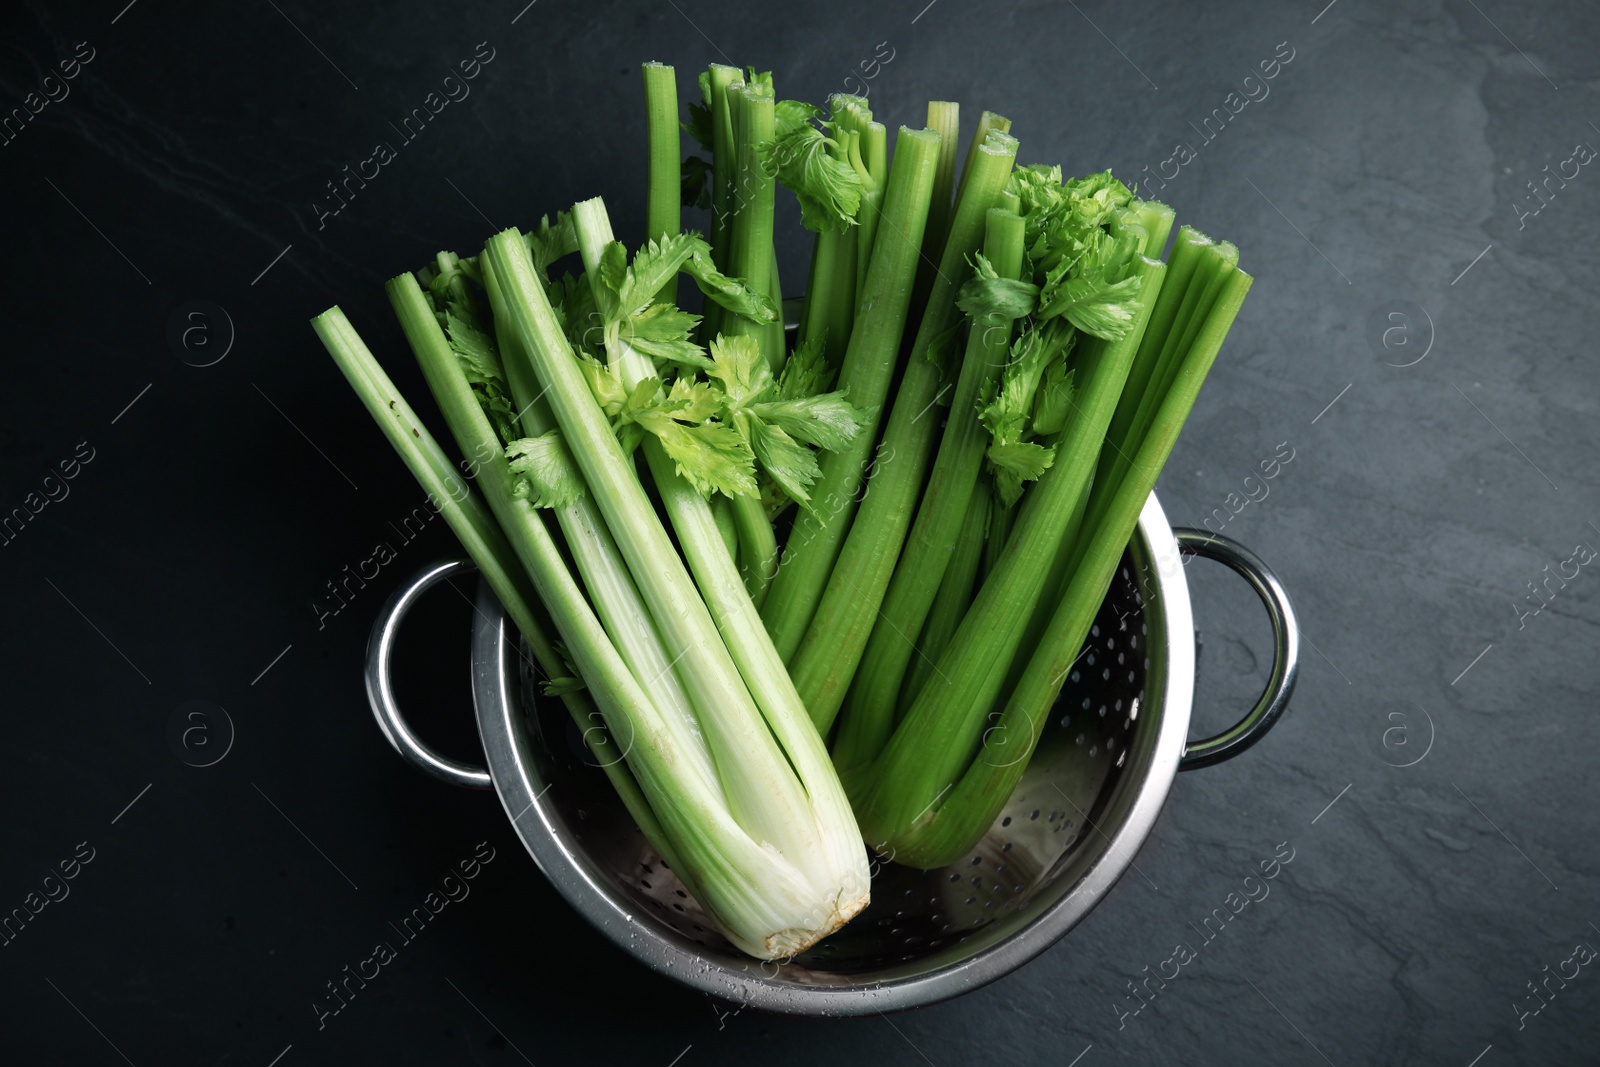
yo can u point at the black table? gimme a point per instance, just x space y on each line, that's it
186 732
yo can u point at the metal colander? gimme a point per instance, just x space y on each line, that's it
1085 804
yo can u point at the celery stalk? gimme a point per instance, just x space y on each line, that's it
949 830
485 544
828 655
866 376
776 785
934 743
956 587
917 575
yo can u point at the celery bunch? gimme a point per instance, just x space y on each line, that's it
893 534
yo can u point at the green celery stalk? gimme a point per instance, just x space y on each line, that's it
1200 268
831 293
739 622
746 759
722 512
933 744
775 338
986 122
950 605
484 542
750 254
758 546
663 204
872 151
1180 268
949 831
1157 219
732 869
719 77
944 117
865 376
604 572
776 778
869 711
751 257
826 660
1000 520
831 285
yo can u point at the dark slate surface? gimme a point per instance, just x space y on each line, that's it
1384 173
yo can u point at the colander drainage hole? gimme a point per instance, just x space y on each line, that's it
646 883
953 878
1006 821
1034 817
1007 846
978 860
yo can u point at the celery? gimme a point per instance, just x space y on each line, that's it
941 516
827 657
934 744
948 831
866 376
956 587
772 790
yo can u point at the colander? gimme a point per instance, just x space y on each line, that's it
1115 741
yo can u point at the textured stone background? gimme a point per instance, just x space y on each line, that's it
1382 174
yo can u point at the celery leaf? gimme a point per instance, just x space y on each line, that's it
661 331
790 464
653 266
732 293
828 187
546 473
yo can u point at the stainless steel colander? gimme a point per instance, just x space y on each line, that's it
1087 801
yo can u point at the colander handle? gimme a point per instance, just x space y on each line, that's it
380 690
1285 648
